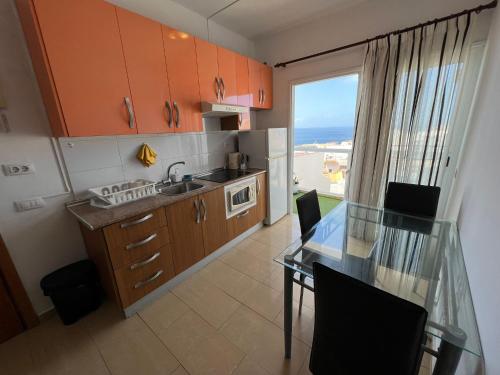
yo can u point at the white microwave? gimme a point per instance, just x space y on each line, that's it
240 196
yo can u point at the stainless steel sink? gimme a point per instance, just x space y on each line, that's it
178 188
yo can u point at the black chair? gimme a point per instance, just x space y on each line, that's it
309 212
309 215
417 200
359 329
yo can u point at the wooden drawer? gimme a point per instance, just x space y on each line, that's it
124 254
140 278
135 228
242 222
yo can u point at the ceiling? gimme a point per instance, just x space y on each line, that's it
255 18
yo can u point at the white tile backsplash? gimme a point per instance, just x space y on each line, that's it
88 154
96 161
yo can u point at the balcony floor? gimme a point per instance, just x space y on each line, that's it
326 204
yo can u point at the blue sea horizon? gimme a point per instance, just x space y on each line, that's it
323 135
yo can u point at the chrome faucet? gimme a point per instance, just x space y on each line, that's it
168 181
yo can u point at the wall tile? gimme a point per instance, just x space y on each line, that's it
88 154
96 161
81 181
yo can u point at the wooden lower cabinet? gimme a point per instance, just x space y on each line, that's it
154 270
139 254
215 228
184 222
133 257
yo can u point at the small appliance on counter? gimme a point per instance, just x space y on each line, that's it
233 160
268 149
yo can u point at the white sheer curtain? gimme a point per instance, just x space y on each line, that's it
409 90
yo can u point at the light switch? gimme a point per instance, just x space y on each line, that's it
29 204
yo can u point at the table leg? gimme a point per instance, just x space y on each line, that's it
449 352
287 309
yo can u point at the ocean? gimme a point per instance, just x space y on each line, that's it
323 135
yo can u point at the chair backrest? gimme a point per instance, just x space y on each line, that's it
418 200
309 212
359 329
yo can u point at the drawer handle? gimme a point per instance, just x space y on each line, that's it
138 221
244 213
148 280
145 262
131 246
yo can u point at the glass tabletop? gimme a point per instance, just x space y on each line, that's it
414 258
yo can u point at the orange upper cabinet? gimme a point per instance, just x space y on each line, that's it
208 71
147 72
227 75
261 84
182 70
83 48
242 82
254 78
267 86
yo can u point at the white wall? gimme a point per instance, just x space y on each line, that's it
360 22
179 17
476 202
42 240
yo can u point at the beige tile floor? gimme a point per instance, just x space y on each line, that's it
225 319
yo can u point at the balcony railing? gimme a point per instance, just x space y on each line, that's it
323 167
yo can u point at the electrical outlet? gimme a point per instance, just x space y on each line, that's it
18 169
29 204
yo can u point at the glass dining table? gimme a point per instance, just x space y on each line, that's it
417 259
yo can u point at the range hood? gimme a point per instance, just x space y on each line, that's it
221 110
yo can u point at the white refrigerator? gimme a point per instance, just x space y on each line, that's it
268 149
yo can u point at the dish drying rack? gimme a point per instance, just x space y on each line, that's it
117 194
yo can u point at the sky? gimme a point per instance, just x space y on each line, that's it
326 103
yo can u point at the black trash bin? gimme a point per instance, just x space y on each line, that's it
74 290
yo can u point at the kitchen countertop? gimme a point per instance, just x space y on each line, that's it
95 218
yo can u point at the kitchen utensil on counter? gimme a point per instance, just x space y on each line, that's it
243 162
233 160
121 193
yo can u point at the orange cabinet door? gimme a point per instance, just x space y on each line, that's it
83 46
208 70
147 72
254 78
180 53
267 86
227 74
242 82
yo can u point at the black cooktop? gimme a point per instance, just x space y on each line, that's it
223 175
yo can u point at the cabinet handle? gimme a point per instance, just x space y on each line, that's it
204 206
240 119
131 118
263 96
223 91
131 246
258 186
178 118
198 215
244 213
148 280
217 88
260 96
169 111
138 221
144 262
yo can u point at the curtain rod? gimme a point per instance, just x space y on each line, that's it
477 9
